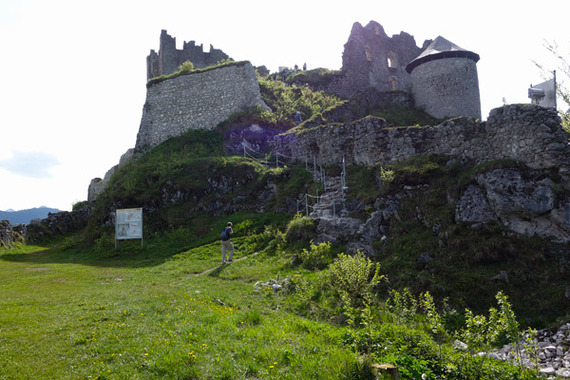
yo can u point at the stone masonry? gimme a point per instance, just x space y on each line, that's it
198 100
526 133
445 81
372 59
168 58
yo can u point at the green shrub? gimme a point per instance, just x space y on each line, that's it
317 257
105 245
300 230
186 67
355 278
359 370
286 100
80 206
403 306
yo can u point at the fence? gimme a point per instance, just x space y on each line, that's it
326 204
268 160
333 196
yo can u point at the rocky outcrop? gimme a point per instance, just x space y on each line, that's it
529 197
6 233
526 203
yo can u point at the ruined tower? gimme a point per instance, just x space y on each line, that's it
444 80
168 58
372 59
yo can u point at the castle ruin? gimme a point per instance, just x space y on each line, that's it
168 58
372 59
445 81
441 77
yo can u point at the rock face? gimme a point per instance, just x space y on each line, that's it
521 203
526 198
198 100
56 223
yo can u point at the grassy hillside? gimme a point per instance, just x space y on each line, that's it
162 312
287 308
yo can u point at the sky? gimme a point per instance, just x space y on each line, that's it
74 71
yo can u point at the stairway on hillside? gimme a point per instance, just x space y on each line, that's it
330 203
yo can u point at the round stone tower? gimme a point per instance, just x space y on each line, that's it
444 80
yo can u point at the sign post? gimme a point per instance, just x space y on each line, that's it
128 225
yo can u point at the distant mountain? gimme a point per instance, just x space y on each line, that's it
25 216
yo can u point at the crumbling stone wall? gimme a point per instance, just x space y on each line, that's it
58 223
10 234
372 59
198 100
6 233
526 133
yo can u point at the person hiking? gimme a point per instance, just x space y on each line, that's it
298 118
227 243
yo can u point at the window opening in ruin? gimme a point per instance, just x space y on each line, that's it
377 30
391 61
368 54
394 82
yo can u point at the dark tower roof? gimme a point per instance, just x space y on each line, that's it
438 49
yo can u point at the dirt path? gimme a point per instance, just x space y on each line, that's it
223 265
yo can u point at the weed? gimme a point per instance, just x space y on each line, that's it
317 257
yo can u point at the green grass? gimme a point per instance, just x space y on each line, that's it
79 309
162 312
68 314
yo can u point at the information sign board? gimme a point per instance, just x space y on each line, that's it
129 224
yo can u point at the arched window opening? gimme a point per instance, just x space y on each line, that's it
392 64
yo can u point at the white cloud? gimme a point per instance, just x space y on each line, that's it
30 164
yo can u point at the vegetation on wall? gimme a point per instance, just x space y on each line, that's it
285 100
187 67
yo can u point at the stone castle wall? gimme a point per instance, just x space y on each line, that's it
198 100
526 133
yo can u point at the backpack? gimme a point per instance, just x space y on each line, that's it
225 235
